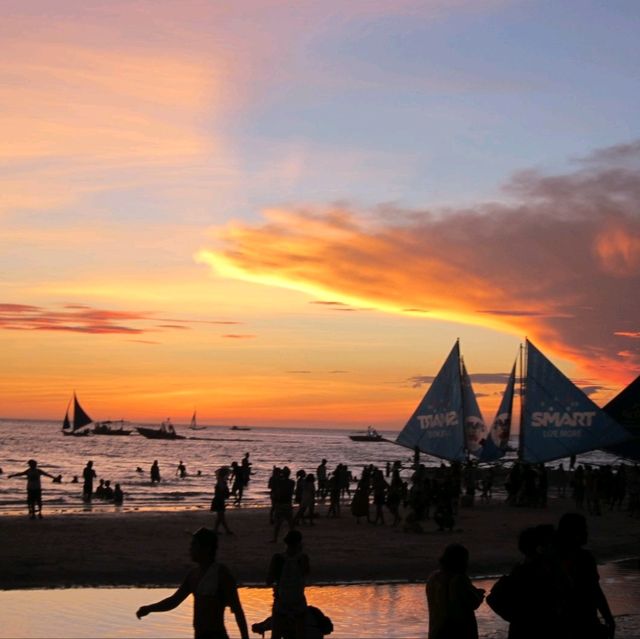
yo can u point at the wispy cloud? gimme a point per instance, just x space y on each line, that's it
558 260
77 318
238 336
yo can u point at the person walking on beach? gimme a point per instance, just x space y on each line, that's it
213 588
287 574
34 487
88 475
219 501
283 488
155 472
452 598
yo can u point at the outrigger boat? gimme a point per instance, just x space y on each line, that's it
372 435
108 427
166 431
557 419
80 420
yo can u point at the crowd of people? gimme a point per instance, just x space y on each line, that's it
553 592
556 578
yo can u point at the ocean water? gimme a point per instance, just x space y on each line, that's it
116 459
356 610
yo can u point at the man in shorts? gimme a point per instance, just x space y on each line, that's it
34 487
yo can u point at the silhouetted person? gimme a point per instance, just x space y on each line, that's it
139 470
108 491
307 500
219 501
584 598
88 475
181 471
118 495
452 598
34 487
287 574
155 472
75 479
282 494
213 588
530 598
100 489
57 479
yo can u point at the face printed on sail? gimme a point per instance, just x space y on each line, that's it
474 430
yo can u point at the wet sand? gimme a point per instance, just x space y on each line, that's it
146 549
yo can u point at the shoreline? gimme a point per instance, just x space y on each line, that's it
151 548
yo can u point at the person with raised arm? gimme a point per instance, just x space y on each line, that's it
213 588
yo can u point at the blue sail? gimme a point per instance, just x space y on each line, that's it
625 409
435 427
558 419
474 427
497 441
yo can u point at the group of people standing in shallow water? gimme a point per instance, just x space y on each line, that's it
553 593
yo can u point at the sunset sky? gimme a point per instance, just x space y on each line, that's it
285 213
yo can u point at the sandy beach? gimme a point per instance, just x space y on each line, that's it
145 549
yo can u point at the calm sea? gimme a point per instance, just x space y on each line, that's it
117 458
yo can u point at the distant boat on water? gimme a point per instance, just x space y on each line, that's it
194 424
80 420
372 435
166 431
109 427
240 428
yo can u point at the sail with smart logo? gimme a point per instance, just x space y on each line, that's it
436 426
558 419
474 426
496 442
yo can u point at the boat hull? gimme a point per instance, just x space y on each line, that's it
366 438
153 433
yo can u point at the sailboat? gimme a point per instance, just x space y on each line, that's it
194 423
625 409
447 422
80 420
557 419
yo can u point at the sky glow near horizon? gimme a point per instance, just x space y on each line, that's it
285 213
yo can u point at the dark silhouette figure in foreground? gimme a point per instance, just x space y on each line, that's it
34 487
584 599
530 597
452 598
213 589
316 625
287 574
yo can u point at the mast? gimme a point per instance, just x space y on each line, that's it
522 401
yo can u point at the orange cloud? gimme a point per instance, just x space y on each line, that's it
559 262
78 318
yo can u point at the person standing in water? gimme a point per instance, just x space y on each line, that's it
88 475
34 487
155 472
213 588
